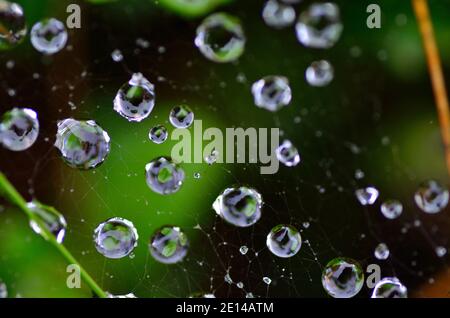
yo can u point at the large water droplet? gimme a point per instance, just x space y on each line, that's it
221 38
288 154
284 241
19 129
158 134
389 287
342 278
13 28
169 245
164 176
278 15
181 116
272 92
381 251
82 144
240 206
367 196
391 209
431 197
319 26
115 238
135 99
53 221
49 36
319 73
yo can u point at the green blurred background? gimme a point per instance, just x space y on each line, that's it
378 115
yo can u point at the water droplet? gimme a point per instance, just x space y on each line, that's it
82 144
381 251
54 222
135 100
197 175
272 92
240 285
342 278
19 129
367 196
164 176
392 209
249 295
117 55
267 280
13 27
319 73
115 238
3 290
240 206
319 26
431 197
278 15
49 36
389 287
284 241
359 174
212 158
169 245
181 116
158 134
441 251
288 154
243 249
202 295
220 38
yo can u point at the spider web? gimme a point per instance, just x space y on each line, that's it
349 134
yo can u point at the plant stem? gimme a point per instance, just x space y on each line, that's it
11 194
435 68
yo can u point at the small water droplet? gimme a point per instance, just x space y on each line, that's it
319 73
288 154
181 116
342 278
135 100
19 129
441 251
82 144
163 176
169 245
267 280
158 134
381 251
220 38
278 15
284 241
239 206
319 26
243 249
392 209
431 197
49 36
272 92
13 28
367 196
115 238
389 287
117 55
